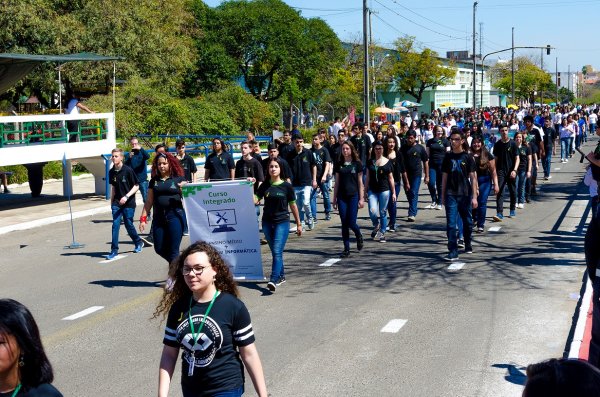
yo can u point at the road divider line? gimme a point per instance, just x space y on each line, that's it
494 229
330 262
393 326
83 313
116 258
456 266
557 169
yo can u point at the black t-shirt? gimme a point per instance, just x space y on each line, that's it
595 168
379 176
506 156
550 135
483 170
189 166
334 151
167 194
321 156
301 164
217 365
458 166
347 178
363 147
286 172
437 149
256 156
398 166
43 390
285 149
414 156
219 166
277 199
122 182
524 152
249 169
137 162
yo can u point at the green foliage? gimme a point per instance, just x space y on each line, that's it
414 71
528 78
52 170
266 43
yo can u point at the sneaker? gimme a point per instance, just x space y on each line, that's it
461 243
345 254
263 241
378 236
375 231
6 191
410 219
112 255
311 224
439 207
382 239
315 221
519 206
480 230
138 247
512 214
271 286
327 217
451 257
360 243
548 177
186 233
468 250
392 229
431 206
281 281
147 241
498 217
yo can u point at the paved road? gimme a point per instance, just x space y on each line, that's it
468 332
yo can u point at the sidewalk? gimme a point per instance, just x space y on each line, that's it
19 211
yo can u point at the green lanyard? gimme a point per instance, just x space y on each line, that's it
195 335
16 391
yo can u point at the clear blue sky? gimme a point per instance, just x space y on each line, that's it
443 25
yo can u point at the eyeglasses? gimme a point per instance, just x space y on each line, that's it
198 270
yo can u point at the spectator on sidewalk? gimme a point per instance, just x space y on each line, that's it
137 160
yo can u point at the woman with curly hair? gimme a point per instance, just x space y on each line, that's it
212 326
24 367
164 195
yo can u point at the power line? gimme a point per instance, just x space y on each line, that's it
424 17
415 23
389 24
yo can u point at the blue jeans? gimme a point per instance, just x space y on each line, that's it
378 204
392 210
326 200
303 200
547 162
348 208
230 393
144 189
127 214
592 129
435 183
413 194
521 178
458 206
565 148
276 235
167 230
485 187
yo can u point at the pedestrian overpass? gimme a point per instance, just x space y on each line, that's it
36 139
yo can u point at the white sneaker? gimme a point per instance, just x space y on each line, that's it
431 206
378 236
439 207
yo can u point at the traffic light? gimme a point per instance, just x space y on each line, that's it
548 49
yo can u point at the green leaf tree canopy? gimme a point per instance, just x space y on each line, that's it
414 71
529 78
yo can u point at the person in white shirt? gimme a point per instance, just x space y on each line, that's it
593 120
337 126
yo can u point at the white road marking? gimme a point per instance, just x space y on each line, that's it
83 313
116 258
574 295
456 266
394 325
329 262
494 229
581 320
557 169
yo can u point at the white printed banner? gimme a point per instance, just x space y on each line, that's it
223 215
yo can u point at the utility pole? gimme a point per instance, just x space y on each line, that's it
513 66
474 60
541 86
372 58
556 80
366 64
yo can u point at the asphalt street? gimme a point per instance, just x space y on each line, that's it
470 331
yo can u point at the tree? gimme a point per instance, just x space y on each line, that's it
529 78
264 43
413 72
